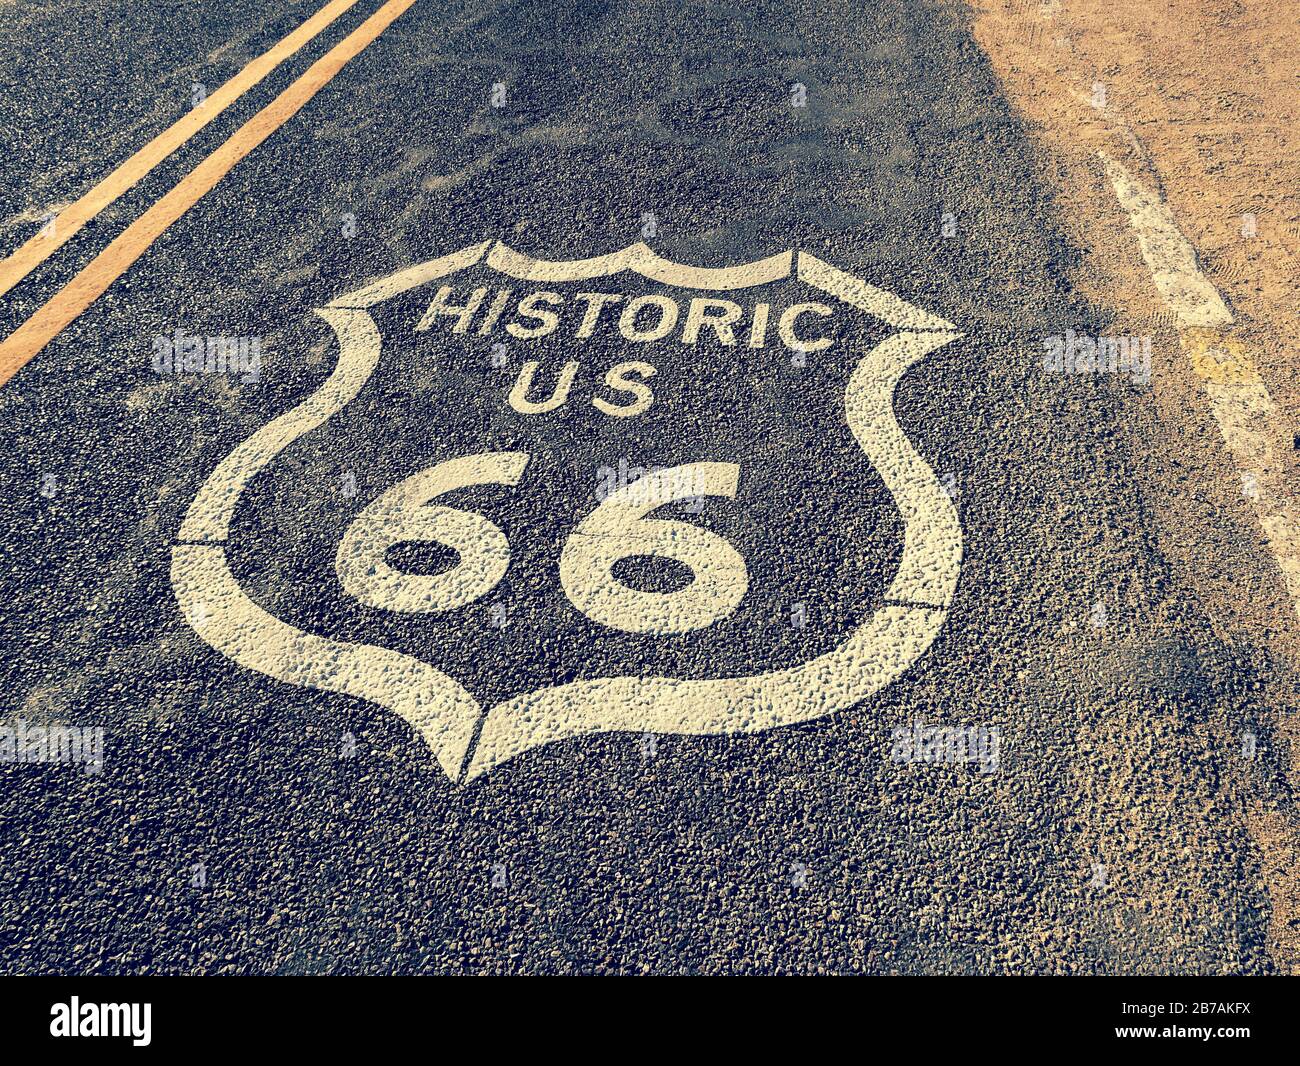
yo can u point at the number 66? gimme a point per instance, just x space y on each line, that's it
617 529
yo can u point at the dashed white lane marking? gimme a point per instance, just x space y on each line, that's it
1240 401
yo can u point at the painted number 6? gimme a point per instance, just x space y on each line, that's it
617 529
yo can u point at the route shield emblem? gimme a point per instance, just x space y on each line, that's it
541 499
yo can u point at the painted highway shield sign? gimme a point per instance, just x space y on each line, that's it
539 499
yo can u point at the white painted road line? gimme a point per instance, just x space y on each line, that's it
1239 399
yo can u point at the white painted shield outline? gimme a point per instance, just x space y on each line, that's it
444 711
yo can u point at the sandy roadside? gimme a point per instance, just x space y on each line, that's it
1195 100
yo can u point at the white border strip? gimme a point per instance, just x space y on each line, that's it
1239 399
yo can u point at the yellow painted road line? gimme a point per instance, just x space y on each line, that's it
70 221
83 290
1242 405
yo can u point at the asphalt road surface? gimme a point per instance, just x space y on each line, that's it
919 693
